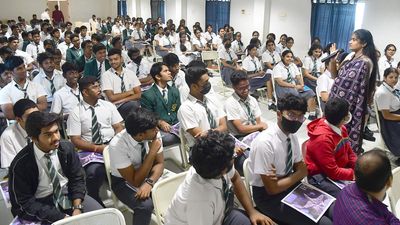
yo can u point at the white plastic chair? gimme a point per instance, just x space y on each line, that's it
394 192
184 149
318 101
108 216
246 174
381 143
163 192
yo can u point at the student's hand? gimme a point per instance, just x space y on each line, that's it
272 173
332 48
263 126
154 145
144 191
257 218
301 169
201 134
76 212
99 148
164 126
239 150
299 87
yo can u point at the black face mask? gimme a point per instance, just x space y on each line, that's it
227 46
206 88
290 126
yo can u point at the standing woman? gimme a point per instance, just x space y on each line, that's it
313 67
355 82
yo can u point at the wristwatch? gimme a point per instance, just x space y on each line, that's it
80 207
149 181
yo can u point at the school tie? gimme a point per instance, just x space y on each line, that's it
140 36
59 199
52 88
226 194
289 78
255 66
137 69
99 70
396 92
142 151
390 64
210 116
230 57
77 96
164 95
201 44
273 58
314 69
250 114
96 137
289 159
122 82
37 48
23 90
170 43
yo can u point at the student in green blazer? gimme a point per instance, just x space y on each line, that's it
163 100
75 52
99 62
87 48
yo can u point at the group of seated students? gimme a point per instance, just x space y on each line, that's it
109 97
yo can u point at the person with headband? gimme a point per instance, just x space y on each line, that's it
329 154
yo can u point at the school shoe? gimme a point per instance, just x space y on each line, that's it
368 134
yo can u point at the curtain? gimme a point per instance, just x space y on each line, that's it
218 13
158 9
333 21
122 9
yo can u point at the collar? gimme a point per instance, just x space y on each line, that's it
282 136
236 96
194 99
162 89
39 153
387 60
87 106
388 87
115 72
98 63
135 143
327 72
334 128
25 85
21 130
70 89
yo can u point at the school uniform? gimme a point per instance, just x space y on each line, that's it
314 67
12 92
73 54
230 57
34 49
384 63
65 100
52 85
253 65
13 139
96 68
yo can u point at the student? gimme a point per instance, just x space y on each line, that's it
217 41
48 77
281 44
387 60
209 35
120 85
166 43
91 125
87 50
36 46
270 58
206 195
69 96
313 67
288 80
116 42
66 44
329 154
75 51
199 42
83 34
13 43
183 49
228 60
276 165
5 76
387 99
324 86
14 137
289 46
361 203
237 45
163 100
137 163
46 182
140 67
93 24
20 87
178 76
99 64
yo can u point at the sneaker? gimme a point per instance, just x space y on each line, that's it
312 117
272 106
369 136
368 131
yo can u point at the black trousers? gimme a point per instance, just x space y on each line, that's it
95 177
324 184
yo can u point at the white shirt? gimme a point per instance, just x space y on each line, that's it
385 99
185 59
181 84
45 186
167 41
309 64
192 114
45 16
217 41
383 63
324 82
251 64
93 25
158 37
135 35
63 48
33 51
198 201
209 36
13 140
58 80
80 120
201 42
235 109
144 68
237 47
82 39
223 54
270 148
126 151
111 81
280 71
279 48
11 94
27 58
44 36
269 57
65 100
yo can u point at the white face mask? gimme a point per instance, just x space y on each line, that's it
349 120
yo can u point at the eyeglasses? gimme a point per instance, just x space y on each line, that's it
292 117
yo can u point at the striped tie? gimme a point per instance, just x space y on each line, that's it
250 114
273 59
122 82
23 90
99 70
289 159
228 197
210 116
142 150
289 78
59 198
314 69
96 137
52 88
164 95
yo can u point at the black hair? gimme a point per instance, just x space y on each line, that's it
197 63
67 66
171 59
390 45
38 120
269 41
22 105
85 82
313 48
289 39
132 51
96 37
12 38
35 32
13 62
115 40
372 170
68 33
272 35
43 56
2 68
194 74
84 43
213 154
83 27
54 31
237 76
114 51
77 30
389 71
98 47
292 102
284 53
140 121
336 109
156 69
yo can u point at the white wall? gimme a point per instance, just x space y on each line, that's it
196 12
82 10
11 9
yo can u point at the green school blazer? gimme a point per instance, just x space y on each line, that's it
91 68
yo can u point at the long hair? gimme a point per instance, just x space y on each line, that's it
369 50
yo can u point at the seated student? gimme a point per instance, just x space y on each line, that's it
74 52
206 195
387 60
324 86
57 57
387 99
276 165
329 154
166 43
117 43
13 44
68 97
64 46
137 162
183 49
87 49
201 111
46 182
217 40
237 45
199 42
83 34
91 125
361 203
178 76
120 85
313 67
228 60
164 100
36 46
5 76
270 58
14 137
141 67
252 65
99 64
288 80
20 87
51 79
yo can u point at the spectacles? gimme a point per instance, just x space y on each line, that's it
290 116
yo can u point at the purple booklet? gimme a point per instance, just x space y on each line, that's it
90 157
175 129
5 193
18 221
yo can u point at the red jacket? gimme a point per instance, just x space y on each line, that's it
328 153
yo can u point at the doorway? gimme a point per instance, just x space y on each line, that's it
63 5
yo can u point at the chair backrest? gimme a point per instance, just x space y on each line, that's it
108 216
246 174
107 165
318 101
163 192
209 55
274 89
394 191
184 149
380 143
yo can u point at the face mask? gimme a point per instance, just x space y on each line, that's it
206 88
349 120
227 46
290 126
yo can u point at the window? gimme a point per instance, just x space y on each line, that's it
122 10
157 9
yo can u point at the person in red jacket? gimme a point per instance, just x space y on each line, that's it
329 154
